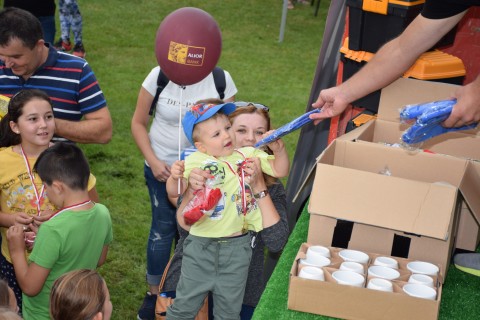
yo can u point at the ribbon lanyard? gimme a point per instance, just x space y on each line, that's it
38 196
73 206
240 174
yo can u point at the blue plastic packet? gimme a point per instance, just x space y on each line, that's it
287 128
429 119
413 111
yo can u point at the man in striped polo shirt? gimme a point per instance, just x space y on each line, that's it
26 62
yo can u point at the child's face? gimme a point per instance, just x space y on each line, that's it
36 125
52 193
215 137
248 129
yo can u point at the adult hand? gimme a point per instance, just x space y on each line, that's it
467 109
16 239
332 101
161 170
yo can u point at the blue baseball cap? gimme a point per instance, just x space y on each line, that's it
201 112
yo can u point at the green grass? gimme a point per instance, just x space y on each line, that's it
119 39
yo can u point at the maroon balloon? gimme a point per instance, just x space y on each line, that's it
188 45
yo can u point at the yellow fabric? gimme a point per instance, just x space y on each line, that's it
228 216
16 192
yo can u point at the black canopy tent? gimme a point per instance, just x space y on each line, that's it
313 139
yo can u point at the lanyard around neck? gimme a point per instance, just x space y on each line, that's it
38 196
73 206
240 174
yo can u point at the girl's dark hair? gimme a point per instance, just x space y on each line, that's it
15 110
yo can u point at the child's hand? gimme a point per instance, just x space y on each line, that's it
254 175
38 220
276 145
177 170
16 239
198 177
23 219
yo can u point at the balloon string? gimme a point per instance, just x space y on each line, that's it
180 133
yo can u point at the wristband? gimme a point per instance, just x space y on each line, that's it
261 194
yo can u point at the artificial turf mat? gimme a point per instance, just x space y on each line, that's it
460 293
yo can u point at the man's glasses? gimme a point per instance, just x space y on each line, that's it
240 104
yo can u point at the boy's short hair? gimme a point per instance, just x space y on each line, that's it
64 162
201 112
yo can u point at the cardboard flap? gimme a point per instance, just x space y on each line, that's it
389 202
469 189
410 91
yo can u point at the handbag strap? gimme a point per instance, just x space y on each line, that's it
164 275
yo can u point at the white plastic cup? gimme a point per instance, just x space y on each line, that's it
420 291
354 255
383 272
318 250
312 273
421 279
315 261
386 262
348 278
423 268
352 266
380 285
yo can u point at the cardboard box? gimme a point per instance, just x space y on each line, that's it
464 144
387 201
347 302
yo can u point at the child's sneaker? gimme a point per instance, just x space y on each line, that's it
79 50
63 45
147 310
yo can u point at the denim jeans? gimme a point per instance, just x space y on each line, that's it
48 27
162 229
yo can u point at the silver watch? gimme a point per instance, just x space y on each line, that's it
261 194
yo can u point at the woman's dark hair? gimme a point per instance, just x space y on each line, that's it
15 110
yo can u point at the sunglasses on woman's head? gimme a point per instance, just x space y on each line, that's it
241 104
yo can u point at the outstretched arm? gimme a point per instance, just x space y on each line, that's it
387 65
281 163
30 278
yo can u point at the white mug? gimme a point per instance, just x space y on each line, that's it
349 278
423 268
352 266
383 272
386 262
354 255
316 261
312 273
380 284
420 291
318 250
421 279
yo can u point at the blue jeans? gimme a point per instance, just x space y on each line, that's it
48 27
162 229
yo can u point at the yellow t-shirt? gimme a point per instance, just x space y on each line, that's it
16 190
228 216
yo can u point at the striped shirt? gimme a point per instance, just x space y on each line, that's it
68 80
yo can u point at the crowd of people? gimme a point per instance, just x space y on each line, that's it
221 205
